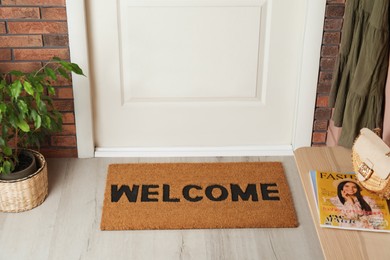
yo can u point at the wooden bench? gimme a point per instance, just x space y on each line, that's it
336 243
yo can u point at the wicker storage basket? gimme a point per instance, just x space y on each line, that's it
27 193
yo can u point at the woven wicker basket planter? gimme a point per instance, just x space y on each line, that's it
27 193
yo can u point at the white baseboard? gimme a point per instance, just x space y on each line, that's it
277 150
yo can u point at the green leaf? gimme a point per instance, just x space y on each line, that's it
51 73
76 69
16 88
13 121
3 107
22 106
51 90
42 107
7 167
22 124
37 119
47 122
39 88
66 65
28 87
38 122
7 151
63 73
2 142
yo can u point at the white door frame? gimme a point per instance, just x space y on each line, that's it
306 94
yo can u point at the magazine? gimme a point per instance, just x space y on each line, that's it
343 203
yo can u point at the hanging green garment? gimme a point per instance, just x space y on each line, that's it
359 79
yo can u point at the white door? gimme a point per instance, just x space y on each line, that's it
195 73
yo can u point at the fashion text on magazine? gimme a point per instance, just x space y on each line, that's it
343 203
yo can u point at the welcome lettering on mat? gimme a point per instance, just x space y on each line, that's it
153 192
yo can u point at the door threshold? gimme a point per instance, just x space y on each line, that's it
198 151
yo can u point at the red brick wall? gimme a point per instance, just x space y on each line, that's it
31 32
329 50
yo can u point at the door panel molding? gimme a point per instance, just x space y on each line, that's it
216 71
193 3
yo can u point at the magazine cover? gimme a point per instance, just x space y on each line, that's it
343 203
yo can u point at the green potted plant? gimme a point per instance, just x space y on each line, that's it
27 116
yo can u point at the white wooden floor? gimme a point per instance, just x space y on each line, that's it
66 225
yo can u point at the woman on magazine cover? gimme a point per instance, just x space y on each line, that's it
362 211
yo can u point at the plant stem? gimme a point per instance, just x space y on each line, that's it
43 67
16 141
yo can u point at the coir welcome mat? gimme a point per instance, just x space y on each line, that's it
197 195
